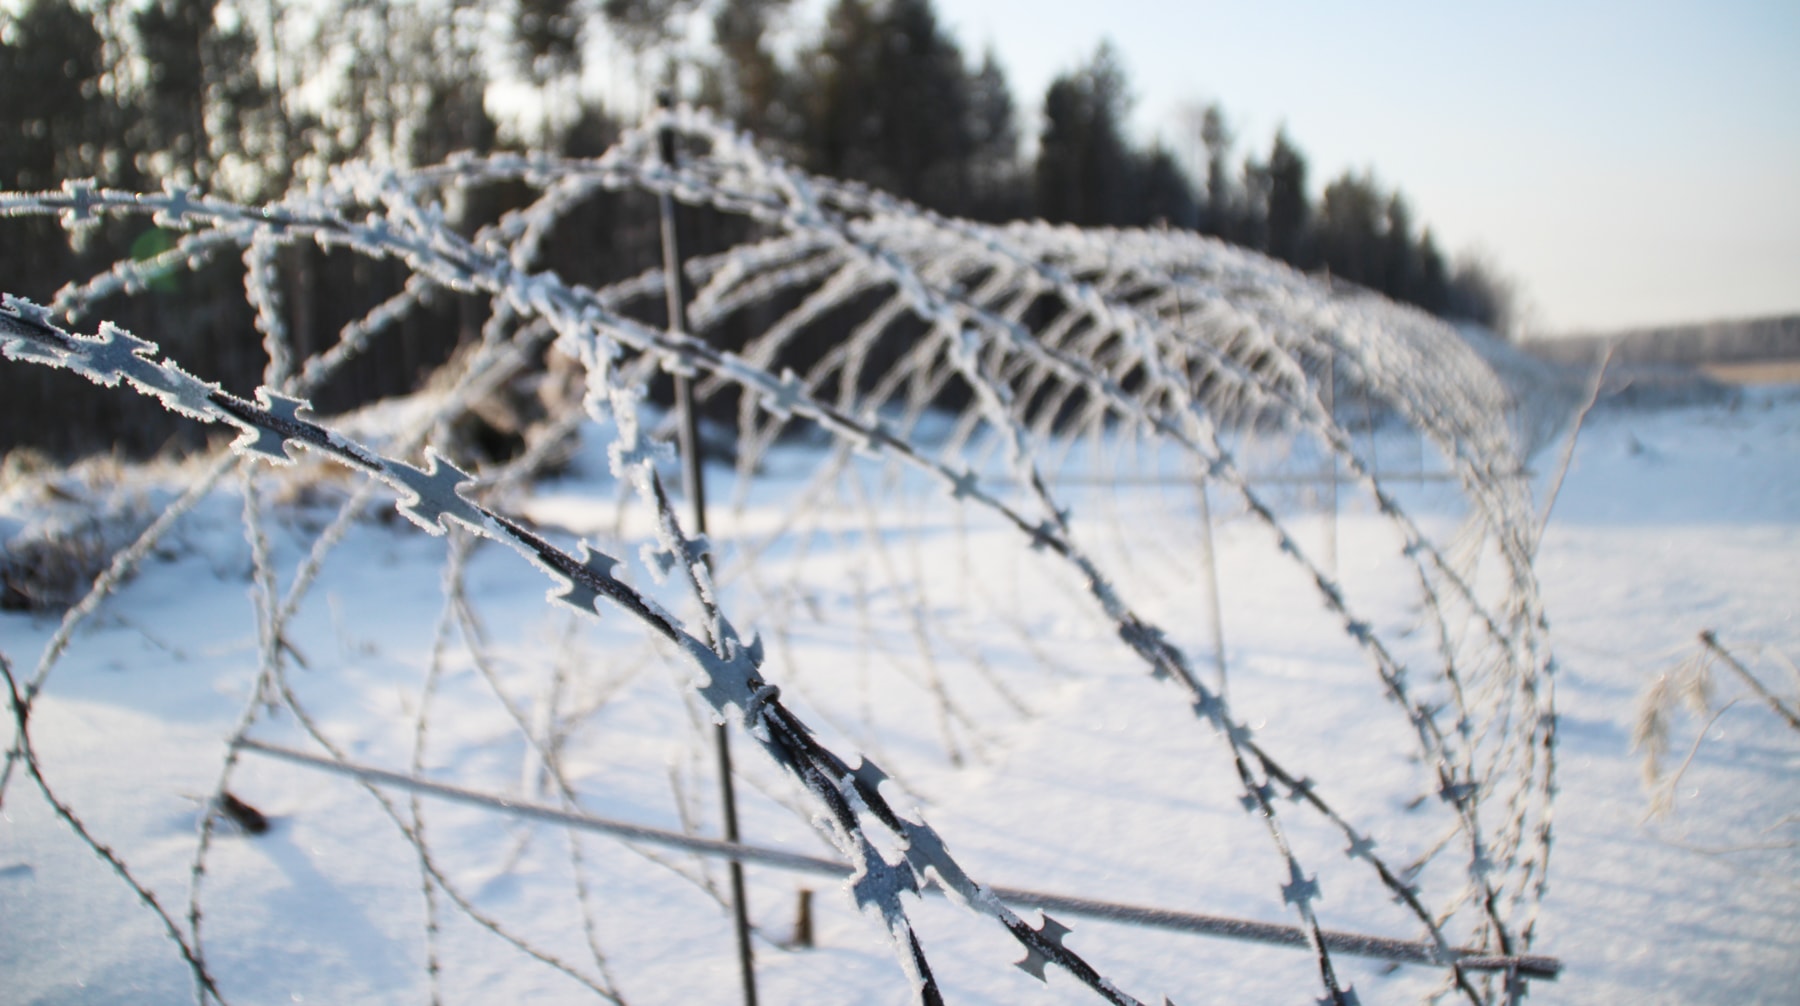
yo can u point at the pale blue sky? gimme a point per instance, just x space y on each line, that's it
1627 163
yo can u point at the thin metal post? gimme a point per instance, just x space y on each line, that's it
1214 611
1331 473
678 293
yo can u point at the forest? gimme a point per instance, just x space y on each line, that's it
248 101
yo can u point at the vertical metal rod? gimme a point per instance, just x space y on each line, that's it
1215 612
678 292
1215 609
1331 473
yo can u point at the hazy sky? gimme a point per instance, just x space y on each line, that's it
1626 163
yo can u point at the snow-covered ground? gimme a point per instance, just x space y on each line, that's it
973 672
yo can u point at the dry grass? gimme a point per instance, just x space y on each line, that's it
78 521
1761 372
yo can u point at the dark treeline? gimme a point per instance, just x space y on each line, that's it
247 98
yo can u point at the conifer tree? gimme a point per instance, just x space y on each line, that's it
52 52
1399 257
747 84
1085 172
1288 209
1222 198
889 102
996 176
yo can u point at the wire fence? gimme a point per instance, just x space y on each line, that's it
974 360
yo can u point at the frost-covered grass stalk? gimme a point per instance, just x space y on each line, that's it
1034 338
1694 684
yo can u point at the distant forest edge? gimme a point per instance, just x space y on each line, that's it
1740 341
249 100
1737 351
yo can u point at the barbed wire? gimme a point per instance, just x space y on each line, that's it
1172 336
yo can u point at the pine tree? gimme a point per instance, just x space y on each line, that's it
546 39
996 178
889 103
1433 281
1166 195
1399 256
643 25
1085 172
52 51
1349 230
748 84
1289 209
171 34
1222 208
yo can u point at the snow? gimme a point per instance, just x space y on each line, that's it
924 607
975 672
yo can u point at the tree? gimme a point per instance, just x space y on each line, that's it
1350 236
748 84
51 51
1166 195
1433 279
546 38
419 99
1399 259
171 36
1475 292
1084 169
202 106
546 49
1364 235
888 102
996 178
1221 210
644 25
1288 209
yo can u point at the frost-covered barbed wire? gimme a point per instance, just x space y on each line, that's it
1052 335
1455 401
729 666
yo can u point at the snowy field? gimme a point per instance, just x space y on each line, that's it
924 636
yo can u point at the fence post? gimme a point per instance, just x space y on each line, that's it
677 294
